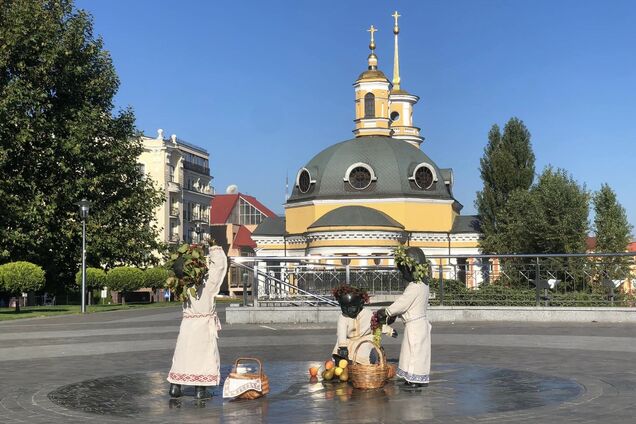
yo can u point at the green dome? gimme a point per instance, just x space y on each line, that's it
356 216
392 164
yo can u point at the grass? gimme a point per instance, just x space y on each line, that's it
7 314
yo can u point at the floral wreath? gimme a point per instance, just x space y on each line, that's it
420 271
343 289
187 267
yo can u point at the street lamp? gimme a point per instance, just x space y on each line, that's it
84 206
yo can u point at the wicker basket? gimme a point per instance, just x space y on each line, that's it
391 370
372 376
251 394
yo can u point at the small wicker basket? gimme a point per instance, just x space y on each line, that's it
251 394
372 376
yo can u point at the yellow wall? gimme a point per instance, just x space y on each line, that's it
427 217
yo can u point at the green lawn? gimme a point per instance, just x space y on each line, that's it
46 311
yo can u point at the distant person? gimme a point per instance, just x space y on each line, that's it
196 360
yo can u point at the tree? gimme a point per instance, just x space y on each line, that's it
95 279
21 277
562 225
155 277
612 232
60 141
125 279
506 166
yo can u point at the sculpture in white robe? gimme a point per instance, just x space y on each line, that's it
196 359
415 353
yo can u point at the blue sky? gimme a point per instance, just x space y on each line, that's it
265 85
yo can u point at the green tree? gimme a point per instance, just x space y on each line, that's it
155 277
506 166
125 279
60 140
20 277
612 232
562 225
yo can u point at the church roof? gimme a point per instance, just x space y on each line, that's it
466 224
392 161
355 216
272 226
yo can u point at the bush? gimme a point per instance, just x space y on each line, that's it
124 278
95 278
21 276
156 277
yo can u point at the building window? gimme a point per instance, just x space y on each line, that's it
171 174
304 181
424 176
369 105
395 116
360 175
248 214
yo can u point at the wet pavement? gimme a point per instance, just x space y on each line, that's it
111 368
454 391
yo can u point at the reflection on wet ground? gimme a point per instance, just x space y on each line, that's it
455 390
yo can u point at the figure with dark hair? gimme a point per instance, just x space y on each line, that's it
354 324
415 354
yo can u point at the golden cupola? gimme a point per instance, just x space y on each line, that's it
372 98
401 102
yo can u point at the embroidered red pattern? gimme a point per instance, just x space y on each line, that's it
198 315
200 378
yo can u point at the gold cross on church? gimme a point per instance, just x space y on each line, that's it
396 16
372 30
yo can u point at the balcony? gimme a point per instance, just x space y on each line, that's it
196 168
173 187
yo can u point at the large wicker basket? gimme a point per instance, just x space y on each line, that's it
372 376
251 394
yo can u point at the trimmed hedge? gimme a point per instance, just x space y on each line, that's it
125 278
95 278
156 277
21 276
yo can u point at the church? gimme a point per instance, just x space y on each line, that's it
369 194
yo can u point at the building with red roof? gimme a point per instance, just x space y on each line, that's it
233 217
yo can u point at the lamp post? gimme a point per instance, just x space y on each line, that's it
84 206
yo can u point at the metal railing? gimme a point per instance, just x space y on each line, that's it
455 280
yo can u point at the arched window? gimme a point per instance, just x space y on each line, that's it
369 105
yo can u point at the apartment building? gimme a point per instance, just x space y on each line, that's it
182 171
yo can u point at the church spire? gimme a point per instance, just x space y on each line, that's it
396 59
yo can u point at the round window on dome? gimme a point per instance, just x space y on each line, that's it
395 116
424 177
304 181
360 177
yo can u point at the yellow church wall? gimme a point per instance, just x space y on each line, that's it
425 217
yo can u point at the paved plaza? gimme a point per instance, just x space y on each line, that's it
111 367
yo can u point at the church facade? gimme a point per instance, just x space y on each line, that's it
369 194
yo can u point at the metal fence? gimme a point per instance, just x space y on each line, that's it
460 280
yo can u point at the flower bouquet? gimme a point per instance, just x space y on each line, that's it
187 268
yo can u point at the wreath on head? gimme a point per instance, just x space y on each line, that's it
188 267
420 271
343 289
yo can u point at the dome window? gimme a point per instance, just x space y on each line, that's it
360 176
424 176
395 115
304 181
